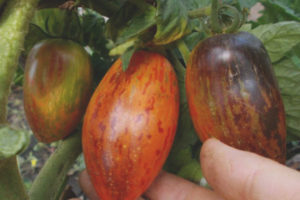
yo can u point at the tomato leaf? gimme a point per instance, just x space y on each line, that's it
92 31
172 21
35 35
130 21
126 57
58 22
288 75
247 3
12 141
278 38
275 11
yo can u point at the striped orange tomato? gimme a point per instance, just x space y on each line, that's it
130 125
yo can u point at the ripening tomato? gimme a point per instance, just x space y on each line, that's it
129 126
57 88
233 95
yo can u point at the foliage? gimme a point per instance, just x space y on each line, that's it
171 27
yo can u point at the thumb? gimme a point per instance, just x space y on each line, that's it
236 174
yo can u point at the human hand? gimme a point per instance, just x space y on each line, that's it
233 175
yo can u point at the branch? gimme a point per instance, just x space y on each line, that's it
14 26
50 179
11 185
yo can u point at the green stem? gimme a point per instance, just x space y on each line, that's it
236 21
214 17
13 28
50 179
200 12
14 24
11 185
179 68
184 50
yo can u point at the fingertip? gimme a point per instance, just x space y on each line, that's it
87 186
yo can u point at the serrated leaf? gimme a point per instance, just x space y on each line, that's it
12 142
172 21
126 57
58 22
278 38
246 27
288 76
247 3
275 11
130 22
92 31
191 171
34 35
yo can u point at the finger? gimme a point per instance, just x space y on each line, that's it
169 187
86 186
240 175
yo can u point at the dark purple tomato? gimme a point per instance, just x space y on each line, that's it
233 95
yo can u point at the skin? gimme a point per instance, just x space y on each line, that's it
233 174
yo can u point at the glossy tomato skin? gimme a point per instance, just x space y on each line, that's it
130 125
233 95
57 88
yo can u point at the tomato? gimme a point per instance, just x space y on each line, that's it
57 88
233 95
129 126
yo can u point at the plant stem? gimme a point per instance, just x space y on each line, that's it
11 185
184 50
13 28
14 24
214 17
200 12
51 178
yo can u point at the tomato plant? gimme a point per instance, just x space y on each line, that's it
232 82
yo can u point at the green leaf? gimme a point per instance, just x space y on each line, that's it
93 31
12 142
246 27
278 38
35 35
247 3
58 23
288 76
191 171
172 21
275 11
130 21
126 57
